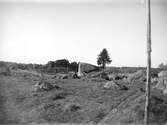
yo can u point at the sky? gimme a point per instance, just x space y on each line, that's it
38 31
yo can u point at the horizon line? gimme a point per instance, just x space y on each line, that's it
116 66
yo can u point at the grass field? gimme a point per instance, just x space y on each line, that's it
77 101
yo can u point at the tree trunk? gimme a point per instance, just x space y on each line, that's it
104 65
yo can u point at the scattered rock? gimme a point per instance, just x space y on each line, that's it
123 87
118 78
43 85
111 84
64 77
58 97
114 85
75 76
106 76
61 76
72 107
56 87
111 77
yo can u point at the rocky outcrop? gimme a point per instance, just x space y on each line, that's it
162 81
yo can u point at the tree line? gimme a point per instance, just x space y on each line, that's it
61 65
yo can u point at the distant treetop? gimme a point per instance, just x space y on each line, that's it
103 58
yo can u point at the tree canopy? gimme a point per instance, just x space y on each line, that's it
103 58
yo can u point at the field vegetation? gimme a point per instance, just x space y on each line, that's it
77 100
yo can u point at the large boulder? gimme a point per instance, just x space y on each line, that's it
162 74
115 85
111 84
139 75
112 76
43 85
162 82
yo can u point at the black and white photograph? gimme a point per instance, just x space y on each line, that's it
83 62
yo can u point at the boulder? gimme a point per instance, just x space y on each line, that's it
118 77
61 76
37 87
139 75
43 85
111 77
106 76
72 107
75 76
64 76
47 86
114 85
162 81
162 74
110 84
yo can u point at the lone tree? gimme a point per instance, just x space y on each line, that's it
103 58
